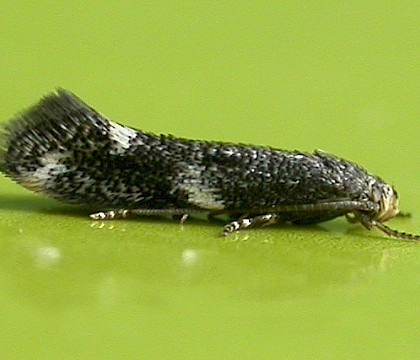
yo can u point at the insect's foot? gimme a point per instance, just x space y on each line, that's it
180 218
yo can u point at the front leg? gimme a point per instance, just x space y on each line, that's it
274 214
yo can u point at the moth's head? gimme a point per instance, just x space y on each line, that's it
387 199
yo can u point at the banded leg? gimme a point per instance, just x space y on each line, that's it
111 214
247 222
124 213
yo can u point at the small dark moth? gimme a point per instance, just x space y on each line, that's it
63 148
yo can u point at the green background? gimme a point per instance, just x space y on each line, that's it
342 76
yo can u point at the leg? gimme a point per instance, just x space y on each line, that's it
124 213
247 222
274 214
180 218
112 214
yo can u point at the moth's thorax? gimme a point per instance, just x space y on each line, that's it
387 199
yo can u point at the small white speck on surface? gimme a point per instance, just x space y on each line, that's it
47 256
190 257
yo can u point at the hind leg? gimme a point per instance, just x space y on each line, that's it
247 222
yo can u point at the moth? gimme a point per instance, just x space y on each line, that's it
64 149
